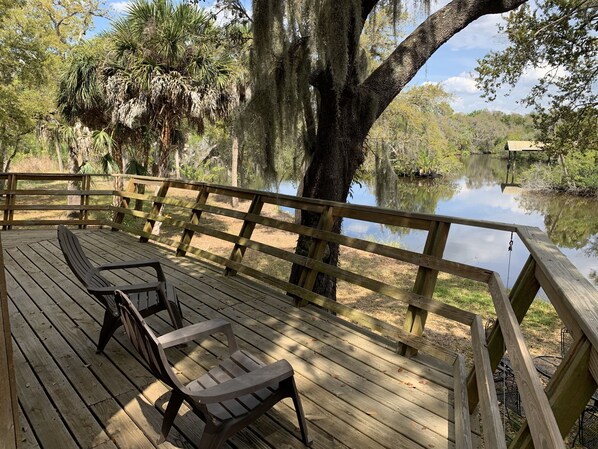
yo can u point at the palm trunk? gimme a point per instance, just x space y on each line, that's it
58 156
234 201
177 162
164 156
73 167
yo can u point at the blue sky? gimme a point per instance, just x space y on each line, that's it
452 65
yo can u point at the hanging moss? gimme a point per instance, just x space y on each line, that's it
295 42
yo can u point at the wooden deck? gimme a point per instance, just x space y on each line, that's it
357 392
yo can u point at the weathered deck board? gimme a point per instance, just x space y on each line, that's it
357 393
360 376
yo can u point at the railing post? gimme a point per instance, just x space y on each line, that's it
155 212
85 186
10 199
201 200
246 231
317 250
124 203
521 297
569 391
9 424
425 283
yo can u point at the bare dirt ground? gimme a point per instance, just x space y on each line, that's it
542 327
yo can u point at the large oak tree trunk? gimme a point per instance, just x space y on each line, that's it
338 153
345 118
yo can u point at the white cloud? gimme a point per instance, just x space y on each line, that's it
120 7
467 97
463 83
480 34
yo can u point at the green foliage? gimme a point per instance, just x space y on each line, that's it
208 171
414 128
80 95
166 65
558 38
490 130
423 136
579 174
34 37
162 65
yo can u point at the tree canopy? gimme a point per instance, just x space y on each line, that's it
160 65
312 77
556 38
34 38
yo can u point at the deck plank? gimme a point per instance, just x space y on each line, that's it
83 425
185 365
27 439
192 429
357 392
38 408
415 422
242 288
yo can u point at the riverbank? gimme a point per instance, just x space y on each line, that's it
577 176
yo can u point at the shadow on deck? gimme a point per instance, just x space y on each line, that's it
357 392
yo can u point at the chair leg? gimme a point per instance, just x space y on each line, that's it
211 440
300 415
172 409
110 324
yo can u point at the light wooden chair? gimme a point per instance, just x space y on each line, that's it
227 398
149 298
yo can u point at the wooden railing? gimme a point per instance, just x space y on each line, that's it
23 195
181 207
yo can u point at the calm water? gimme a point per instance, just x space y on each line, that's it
571 222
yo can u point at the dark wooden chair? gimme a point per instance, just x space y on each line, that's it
149 298
227 398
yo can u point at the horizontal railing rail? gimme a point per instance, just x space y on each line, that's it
185 211
22 194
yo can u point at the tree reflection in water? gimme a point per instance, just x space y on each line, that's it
570 221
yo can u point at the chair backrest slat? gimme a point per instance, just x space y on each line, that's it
145 341
77 260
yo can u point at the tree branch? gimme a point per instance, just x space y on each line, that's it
385 83
367 6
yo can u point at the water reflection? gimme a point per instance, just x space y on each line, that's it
483 170
571 222
413 195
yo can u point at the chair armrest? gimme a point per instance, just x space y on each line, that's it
248 383
200 331
155 264
134 288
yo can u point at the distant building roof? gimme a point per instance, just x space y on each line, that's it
523 145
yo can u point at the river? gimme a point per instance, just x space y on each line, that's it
571 222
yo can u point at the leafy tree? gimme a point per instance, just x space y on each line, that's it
166 68
158 72
415 130
34 36
309 63
558 38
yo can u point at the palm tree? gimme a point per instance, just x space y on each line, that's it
166 67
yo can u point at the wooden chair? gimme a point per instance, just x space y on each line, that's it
149 298
227 398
